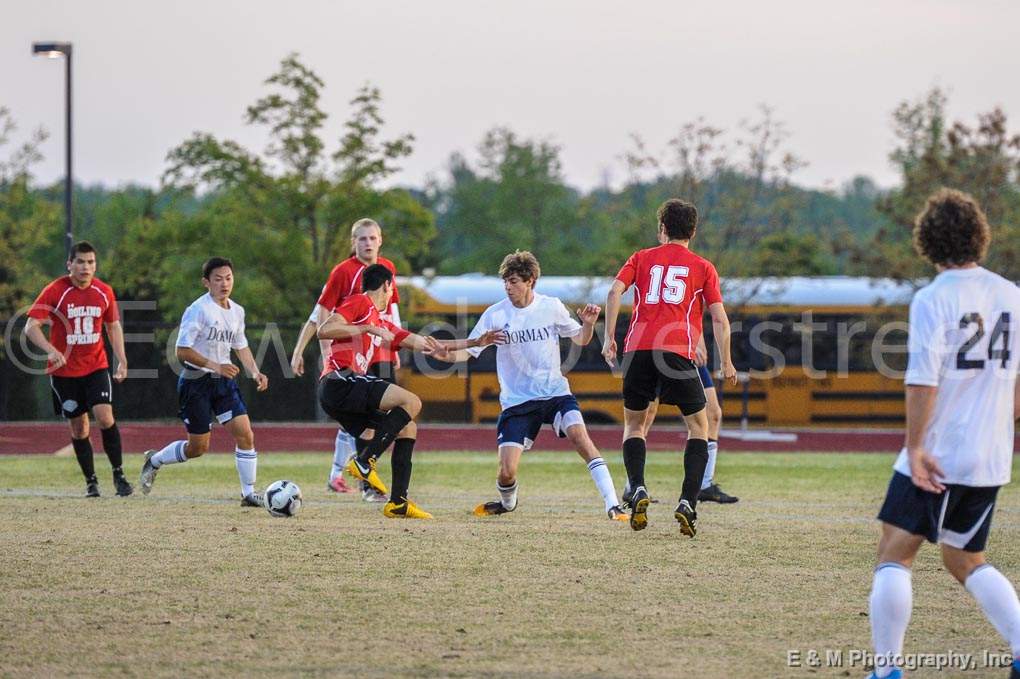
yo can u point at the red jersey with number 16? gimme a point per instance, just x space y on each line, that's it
672 288
77 316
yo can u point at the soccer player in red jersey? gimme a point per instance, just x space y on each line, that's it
345 280
361 401
76 306
672 287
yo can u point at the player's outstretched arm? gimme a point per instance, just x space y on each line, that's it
721 330
116 333
612 314
297 358
189 355
456 351
589 315
251 367
33 331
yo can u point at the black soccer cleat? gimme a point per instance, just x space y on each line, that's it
253 499
493 508
92 487
687 518
639 509
121 484
716 494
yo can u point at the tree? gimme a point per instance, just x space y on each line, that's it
983 160
513 198
284 214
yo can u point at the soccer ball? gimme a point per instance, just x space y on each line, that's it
283 498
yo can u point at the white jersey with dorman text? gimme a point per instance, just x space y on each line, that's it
964 340
212 330
528 365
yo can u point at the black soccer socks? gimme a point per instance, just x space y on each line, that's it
634 461
385 432
111 444
83 451
400 461
695 461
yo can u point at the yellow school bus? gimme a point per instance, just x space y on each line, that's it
821 351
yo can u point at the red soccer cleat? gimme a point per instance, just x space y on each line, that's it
338 485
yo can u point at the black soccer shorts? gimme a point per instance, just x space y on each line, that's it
74 396
672 378
352 400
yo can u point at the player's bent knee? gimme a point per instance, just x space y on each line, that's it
410 431
961 563
197 446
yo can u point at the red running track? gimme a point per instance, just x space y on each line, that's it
49 437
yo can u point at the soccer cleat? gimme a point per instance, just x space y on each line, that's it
716 494
370 494
628 495
618 513
91 487
405 510
687 518
253 499
338 485
639 509
366 473
148 474
121 484
493 508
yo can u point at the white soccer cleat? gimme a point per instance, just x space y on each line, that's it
148 474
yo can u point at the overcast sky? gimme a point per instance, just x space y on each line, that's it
584 75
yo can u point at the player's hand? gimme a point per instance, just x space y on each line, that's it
609 351
228 370
297 364
56 359
700 356
396 360
262 381
925 471
589 313
491 337
729 373
382 333
120 374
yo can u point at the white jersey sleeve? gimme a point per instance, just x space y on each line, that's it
481 327
191 326
240 340
566 325
926 343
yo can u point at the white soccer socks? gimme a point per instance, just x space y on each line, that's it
995 593
713 451
508 495
343 451
172 454
603 481
889 611
246 462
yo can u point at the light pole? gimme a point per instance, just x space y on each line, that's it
56 50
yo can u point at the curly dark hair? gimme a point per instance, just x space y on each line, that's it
522 264
679 218
952 229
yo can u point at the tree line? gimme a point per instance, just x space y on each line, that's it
282 212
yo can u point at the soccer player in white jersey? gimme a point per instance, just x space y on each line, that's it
532 388
211 327
961 385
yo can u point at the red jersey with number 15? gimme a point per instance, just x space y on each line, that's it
77 316
355 353
672 288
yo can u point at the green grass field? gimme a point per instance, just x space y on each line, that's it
186 582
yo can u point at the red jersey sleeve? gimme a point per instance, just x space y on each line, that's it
399 334
45 303
355 309
628 273
335 289
712 292
393 270
112 313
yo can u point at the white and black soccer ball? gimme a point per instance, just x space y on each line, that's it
283 498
